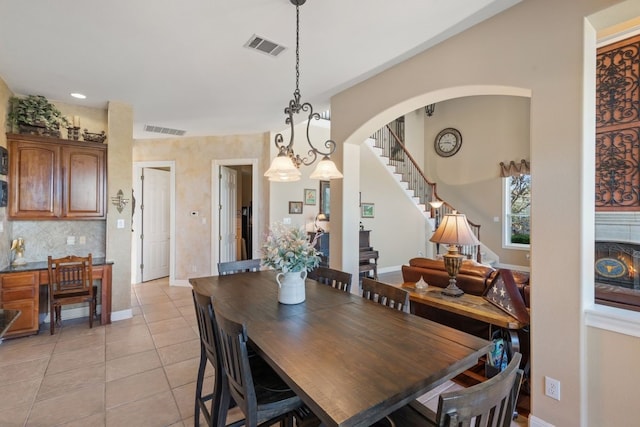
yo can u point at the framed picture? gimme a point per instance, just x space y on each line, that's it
368 210
324 198
309 196
295 207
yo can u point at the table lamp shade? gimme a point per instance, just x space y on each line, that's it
454 230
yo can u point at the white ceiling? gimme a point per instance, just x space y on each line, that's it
182 64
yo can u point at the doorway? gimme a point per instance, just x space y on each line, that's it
235 200
153 222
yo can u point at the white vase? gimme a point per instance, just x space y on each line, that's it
291 287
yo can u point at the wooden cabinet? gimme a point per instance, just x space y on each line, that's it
53 178
19 291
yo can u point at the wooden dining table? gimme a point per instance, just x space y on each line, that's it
350 360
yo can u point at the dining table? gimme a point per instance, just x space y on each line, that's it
351 361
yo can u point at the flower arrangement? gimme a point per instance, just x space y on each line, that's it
287 249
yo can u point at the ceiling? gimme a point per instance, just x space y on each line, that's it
183 64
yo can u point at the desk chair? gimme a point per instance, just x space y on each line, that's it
384 294
70 282
262 396
233 267
335 278
489 403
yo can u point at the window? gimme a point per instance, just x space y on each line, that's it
517 212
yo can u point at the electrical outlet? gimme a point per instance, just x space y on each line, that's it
552 388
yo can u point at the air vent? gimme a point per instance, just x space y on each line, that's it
265 46
163 130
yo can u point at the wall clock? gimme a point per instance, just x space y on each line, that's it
448 142
611 267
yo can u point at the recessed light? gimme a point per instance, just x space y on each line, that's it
79 95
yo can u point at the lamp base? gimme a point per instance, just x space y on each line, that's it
452 291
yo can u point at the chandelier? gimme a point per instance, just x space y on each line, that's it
285 167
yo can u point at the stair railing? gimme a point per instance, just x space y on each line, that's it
394 149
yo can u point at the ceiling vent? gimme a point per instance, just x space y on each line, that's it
265 46
163 130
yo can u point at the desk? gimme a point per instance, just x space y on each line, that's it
350 360
36 274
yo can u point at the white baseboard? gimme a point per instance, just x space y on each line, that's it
121 315
182 282
537 422
78 312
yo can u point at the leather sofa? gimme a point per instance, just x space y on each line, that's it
474 278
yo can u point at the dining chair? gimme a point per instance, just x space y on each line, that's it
490 403
209 344
262 396
385 294
70 282
335 278
233 267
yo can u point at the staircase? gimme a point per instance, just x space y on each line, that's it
390 149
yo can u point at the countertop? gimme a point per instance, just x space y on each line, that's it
43 265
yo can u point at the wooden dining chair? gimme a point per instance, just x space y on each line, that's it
385 294
262 396
335 278
70 282
243 266
490 403
209 344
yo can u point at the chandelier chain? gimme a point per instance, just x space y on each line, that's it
297 91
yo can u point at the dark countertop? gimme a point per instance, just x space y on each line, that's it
43 265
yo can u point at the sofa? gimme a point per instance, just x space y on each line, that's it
474 278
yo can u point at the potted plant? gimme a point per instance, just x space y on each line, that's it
289 251
35 114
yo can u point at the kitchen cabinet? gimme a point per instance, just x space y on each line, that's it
52 178
19 291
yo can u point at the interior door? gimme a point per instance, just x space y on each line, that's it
155 223
228 226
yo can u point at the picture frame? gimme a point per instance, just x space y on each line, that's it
310 196
367 210
325 201
295 208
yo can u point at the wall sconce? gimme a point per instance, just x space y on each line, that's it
119 201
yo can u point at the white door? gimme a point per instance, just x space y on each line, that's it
228 191
155 223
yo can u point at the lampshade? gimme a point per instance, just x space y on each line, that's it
454 230
283 170
326 170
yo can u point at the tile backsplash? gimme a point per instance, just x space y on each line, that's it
44 238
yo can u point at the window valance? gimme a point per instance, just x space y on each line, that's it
514 169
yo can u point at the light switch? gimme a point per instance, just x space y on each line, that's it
286 221
120 223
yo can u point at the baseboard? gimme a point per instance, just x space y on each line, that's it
512 267
184 283
537 422
389 269
78 312
121 315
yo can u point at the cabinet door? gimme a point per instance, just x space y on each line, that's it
84 182
19 291
34 180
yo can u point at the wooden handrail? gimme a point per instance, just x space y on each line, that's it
395 150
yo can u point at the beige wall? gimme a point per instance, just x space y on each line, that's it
193 163
494 129
535 48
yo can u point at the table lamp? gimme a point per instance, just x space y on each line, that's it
454 230
319 217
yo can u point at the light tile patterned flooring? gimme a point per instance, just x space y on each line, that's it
135 372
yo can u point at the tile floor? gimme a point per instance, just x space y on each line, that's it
135 372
